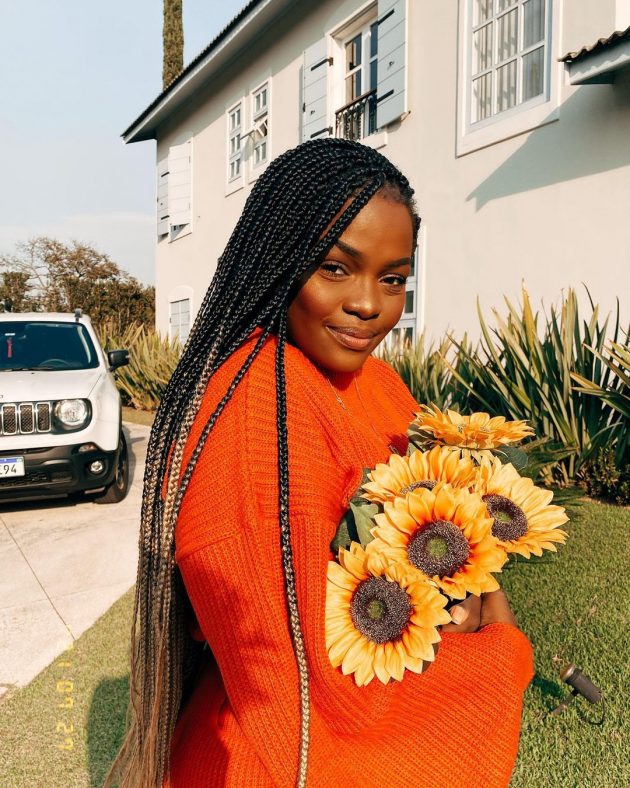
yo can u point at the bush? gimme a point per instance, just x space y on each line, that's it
152 361
601 478
526 368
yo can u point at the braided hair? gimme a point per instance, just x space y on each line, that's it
280 236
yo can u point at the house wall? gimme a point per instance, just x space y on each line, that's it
546 208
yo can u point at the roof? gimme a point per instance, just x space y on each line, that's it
598 46
249 21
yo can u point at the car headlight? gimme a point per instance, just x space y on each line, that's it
71 412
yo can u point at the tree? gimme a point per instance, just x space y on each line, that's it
14 292
50 276
172 41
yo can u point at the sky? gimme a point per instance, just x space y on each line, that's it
74 74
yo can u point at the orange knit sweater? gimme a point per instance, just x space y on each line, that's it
454 726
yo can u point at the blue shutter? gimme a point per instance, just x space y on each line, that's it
315 91
391 94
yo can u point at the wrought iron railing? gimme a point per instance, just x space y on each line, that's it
358 118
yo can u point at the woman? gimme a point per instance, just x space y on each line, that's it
259 443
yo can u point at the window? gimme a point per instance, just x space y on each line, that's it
357 117
506 68
406 328
260 129
235 153
179 319
508 55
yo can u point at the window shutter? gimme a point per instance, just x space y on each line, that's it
179 183
315 91
391 93
162 198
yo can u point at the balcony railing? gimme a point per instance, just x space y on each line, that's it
358 118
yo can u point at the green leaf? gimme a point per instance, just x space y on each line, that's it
344 534
363 519
513 454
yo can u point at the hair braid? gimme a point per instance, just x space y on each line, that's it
279 237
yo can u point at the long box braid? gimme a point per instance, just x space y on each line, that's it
279 238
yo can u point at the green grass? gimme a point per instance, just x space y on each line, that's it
35 750
573 607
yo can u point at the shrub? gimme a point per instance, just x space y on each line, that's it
152 361
601 478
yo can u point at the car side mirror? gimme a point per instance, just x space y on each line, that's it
117 358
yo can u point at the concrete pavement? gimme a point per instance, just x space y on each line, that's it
62 565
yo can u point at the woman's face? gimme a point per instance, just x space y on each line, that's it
357 295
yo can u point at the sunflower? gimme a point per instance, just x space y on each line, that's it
444 534
524 520
401 475
379 620
473 435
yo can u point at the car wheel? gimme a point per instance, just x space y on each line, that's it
117 490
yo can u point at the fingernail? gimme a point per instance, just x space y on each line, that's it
459 615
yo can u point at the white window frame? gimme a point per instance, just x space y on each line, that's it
417 285
258 131
232 184
165 177
339 36
171 332
521 118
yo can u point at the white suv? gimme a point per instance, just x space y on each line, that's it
60 411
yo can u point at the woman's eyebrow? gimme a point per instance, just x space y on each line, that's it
356 253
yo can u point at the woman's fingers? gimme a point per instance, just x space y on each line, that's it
496 608
466 616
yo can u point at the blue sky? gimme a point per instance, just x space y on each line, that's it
73 75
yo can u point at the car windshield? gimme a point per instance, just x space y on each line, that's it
45 345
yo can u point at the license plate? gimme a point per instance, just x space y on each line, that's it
11 466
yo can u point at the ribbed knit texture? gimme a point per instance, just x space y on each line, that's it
454 726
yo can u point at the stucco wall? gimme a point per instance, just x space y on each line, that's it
547 207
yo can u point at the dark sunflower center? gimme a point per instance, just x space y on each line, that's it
509 519
380 609
429 484
439 548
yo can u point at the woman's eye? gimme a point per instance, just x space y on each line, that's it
332 268
397 281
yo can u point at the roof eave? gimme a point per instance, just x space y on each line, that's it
601 66
220 52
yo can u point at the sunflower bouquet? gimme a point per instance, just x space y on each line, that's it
426 529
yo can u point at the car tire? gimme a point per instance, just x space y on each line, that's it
117 490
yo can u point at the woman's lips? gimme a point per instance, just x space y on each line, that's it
354 343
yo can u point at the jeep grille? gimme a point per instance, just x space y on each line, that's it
24 418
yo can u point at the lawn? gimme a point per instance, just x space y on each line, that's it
64 728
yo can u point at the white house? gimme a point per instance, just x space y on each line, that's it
510 117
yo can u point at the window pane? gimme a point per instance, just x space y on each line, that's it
483 11
482 43
482 97
373 40
534 22
409 298
533 73
353 53
353 86
408 336
506 33
505 4
506 86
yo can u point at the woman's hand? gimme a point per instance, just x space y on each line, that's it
474 612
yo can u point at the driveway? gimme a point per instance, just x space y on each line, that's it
63 564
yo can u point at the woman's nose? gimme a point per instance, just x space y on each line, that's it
363 299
